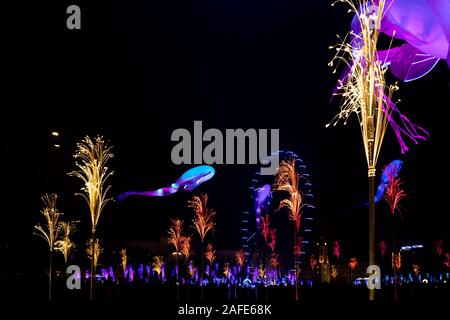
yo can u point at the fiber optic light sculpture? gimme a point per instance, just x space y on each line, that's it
364 92
425 27
287 180
407 63
393 195
65 244
203 223
50 231
175 238
189 180
92 158
93 251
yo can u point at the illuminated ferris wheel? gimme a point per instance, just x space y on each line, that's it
263 202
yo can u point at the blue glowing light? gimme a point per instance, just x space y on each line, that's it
188 181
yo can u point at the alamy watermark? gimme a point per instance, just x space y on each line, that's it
73 281
235 146
374 280
73 21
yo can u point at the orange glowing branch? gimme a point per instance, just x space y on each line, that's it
287 180
203 220
394 194
265 231
240 258
273 239
175 237
124 259
186 246
158 264
210 254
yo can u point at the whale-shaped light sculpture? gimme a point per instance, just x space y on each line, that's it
189 180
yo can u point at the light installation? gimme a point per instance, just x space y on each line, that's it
365 93
425 27
188 181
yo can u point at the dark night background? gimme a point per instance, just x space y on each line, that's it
137 70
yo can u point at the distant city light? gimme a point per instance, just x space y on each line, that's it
55 133
57 145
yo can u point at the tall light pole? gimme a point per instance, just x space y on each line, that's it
365 93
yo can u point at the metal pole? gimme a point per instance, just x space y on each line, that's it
91 293
372 225
50 271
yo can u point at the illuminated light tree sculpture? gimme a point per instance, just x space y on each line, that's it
93 251
186 251
51 231
210 253
176 240
266 232
123 262
365 93
287 180
273 239
186 247
240 260
203 223
416 270
393 195
438 247
274 263
91 160
272 243
334 272
446 261
265 228
158 265
337 249
227 274
353 264
65 245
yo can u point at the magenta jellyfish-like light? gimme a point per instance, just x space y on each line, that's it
424 26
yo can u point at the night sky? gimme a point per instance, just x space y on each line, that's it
137 70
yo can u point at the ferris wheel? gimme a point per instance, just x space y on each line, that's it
263 201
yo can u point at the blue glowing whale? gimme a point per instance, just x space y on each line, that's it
189 180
